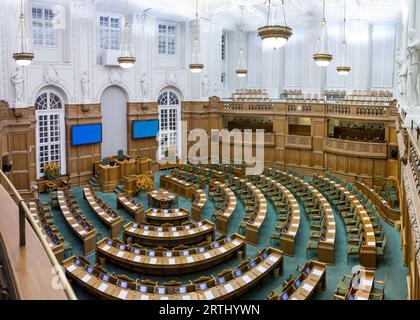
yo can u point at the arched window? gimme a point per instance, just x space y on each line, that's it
169 124
50 133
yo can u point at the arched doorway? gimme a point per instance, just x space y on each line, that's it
50 131
169 108
114 121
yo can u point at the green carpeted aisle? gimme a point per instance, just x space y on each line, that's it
390 269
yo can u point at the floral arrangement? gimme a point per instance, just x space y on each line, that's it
144 183
52 170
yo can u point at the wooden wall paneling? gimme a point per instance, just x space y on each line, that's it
81 159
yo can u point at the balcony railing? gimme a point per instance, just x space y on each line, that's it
25 215
366 149
299 142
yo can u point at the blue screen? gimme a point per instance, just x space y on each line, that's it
145 129
86 134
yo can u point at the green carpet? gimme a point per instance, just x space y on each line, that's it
390 269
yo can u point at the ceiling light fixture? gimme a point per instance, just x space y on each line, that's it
23 54
323 57
241 70
275 36
126 60
196 66
343 68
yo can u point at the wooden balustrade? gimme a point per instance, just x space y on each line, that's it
392 216
299 142
362 149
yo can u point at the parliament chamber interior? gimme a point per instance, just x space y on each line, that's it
209 150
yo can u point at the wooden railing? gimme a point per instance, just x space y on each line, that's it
367 149
392 216
24 216
299 142
351 110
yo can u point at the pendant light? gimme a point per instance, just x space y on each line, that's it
323 57
126 60
23 54
272 35
196 66
343 65
241 70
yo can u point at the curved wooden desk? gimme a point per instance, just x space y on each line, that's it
169 236
367 254
104 212
312 278
327 241
227 285
291 226
199 201
51 236
78 222
223 215
172 216
132 207
176 185
170 262
253 225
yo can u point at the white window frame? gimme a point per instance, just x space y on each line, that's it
61 115
43 7
169 107
167 38
109 29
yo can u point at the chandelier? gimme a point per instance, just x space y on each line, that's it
343 65
275 36
323 57
241 70
196 66
126 60
23 54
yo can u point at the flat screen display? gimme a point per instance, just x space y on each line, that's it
86 134
145 129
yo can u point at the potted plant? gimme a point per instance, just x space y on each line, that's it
121 156
144 183
52 171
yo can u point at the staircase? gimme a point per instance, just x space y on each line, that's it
119 189
94 183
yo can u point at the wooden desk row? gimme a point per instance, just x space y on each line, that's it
199 201
253 225
290 229
104 212
223 215
167 216
170 262
367 254
227 285
311 279
78 222
361 285
191 233
176 185
194 179
50 235
132 207
327 241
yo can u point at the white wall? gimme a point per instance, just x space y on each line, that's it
114 121
290 67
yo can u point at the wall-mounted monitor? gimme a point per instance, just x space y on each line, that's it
145 129
86 134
